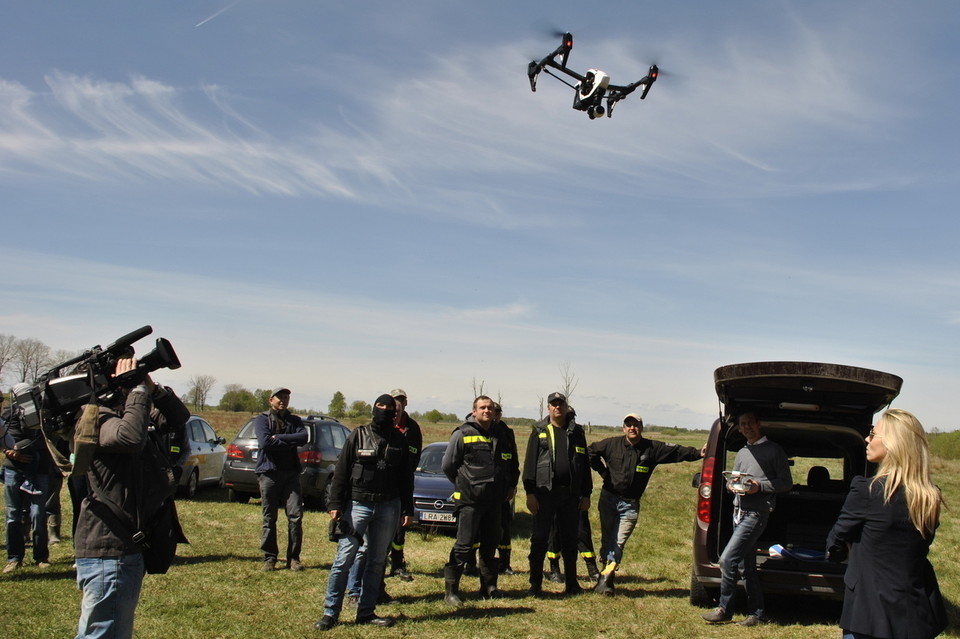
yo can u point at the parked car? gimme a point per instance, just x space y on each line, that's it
819 414
207 454
317 457
432 491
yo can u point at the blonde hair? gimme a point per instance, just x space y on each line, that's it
907 464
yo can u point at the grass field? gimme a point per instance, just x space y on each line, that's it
216 588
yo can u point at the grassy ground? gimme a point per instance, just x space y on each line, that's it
217 590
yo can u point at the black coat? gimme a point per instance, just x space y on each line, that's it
891 589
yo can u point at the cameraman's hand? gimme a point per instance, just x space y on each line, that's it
127 364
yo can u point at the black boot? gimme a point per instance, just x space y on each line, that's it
451 583
554 573
488 580
605 584
571 585
536 578
505 568
592 571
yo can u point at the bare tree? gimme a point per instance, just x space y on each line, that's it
200 387
30 358
6 351
569 380
540 402
477 390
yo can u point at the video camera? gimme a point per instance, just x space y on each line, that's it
54 399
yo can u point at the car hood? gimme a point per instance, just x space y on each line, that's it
809 391
432 486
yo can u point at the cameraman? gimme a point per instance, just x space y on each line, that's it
110 565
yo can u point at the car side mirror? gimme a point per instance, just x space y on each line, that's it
221 440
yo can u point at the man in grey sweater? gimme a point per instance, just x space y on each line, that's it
764 472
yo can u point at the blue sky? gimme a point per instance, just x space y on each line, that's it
359 196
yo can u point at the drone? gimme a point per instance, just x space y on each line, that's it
593 86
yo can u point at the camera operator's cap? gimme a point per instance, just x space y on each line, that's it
397 393
555 396
634 416
277 391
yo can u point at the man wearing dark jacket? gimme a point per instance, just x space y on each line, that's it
110 565
556 478
481 462
279 433
626 463
371 491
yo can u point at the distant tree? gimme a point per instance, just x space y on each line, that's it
569 380
338 406
238 399
359 408
477 387
30 358
7 343
200 387
262 397
434 416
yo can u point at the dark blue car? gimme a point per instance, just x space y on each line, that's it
432 491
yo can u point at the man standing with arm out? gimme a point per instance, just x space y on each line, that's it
279 433
556 478
769 470
481 461
371 491
625 463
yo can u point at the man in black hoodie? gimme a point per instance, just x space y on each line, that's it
371 491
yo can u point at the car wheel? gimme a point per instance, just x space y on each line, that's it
700 595
239 498
192 484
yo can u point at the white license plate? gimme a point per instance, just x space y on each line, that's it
446 517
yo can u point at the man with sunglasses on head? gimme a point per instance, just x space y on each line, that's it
556 478
626 462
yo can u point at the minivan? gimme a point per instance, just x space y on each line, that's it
820 415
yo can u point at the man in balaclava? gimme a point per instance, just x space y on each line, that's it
371 492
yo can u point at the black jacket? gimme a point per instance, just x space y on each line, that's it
374 466
539 465
626 468
482 464
891 589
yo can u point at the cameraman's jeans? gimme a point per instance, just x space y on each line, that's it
618 518
740 556
376 523
281 488
18 502
111 589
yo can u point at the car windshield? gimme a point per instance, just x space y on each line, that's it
431 459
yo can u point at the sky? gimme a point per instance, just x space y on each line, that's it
360 196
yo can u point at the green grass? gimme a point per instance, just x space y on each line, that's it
217 590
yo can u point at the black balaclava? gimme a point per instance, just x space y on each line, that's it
383 417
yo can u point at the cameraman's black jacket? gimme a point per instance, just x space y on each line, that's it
539 466
482 464
373 466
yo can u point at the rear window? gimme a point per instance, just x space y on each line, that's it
247 431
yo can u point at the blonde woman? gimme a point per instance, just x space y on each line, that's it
889 522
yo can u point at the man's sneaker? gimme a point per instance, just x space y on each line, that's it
507 570
753 620
269 564
326 622
294 564
12 565
374 620
384 598
403 574
717 615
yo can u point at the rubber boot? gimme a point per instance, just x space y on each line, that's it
554 573
592 571
451 583
505 568
605 584
53 529
571 585
488 580
536 578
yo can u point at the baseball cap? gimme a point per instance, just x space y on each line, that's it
280 389
555 396
635 416
398 392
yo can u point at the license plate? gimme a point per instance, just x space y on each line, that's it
445 517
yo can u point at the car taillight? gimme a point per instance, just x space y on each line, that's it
234 452
310 456
705 491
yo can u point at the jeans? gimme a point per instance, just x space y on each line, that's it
740 556
360 564
281 488
376 523
18 502
111 589
618 518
